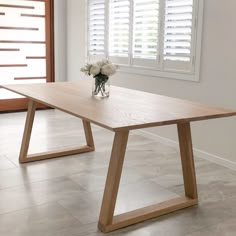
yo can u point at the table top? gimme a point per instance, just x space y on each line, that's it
124 109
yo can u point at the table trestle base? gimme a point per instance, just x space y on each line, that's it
108 222
25 157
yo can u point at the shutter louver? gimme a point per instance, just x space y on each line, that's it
96 27
119 28
145 29
178 30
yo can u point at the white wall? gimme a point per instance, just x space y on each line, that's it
217 77
60 35
76 41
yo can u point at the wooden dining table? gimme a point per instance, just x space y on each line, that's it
125 110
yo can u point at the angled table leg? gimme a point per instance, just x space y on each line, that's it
113 179
108 222
24 157
88 135
27 131
186 152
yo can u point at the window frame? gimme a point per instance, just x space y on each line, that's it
194 75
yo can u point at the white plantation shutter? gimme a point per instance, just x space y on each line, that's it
156 34
96 28
178 34
119 29
145 30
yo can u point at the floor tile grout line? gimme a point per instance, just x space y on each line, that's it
125 185
200 229
48 179
28 183
28 208
70 213
11 162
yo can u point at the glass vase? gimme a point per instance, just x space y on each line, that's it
101 86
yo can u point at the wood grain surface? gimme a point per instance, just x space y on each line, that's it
124 109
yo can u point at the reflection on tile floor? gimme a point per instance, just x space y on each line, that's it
62 197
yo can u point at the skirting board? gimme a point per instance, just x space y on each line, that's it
197 153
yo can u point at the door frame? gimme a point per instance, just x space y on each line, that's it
19 104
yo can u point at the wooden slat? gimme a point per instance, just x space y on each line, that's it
18 28
13 65
21 41
35 0
35 57
9 49
32 15
16 6
29 78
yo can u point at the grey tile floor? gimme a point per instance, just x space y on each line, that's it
62 197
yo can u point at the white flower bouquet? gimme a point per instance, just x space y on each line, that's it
100 71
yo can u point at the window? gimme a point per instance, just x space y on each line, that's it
150 37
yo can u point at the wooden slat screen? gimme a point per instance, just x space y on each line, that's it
25 46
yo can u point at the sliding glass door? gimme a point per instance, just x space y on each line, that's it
26 47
